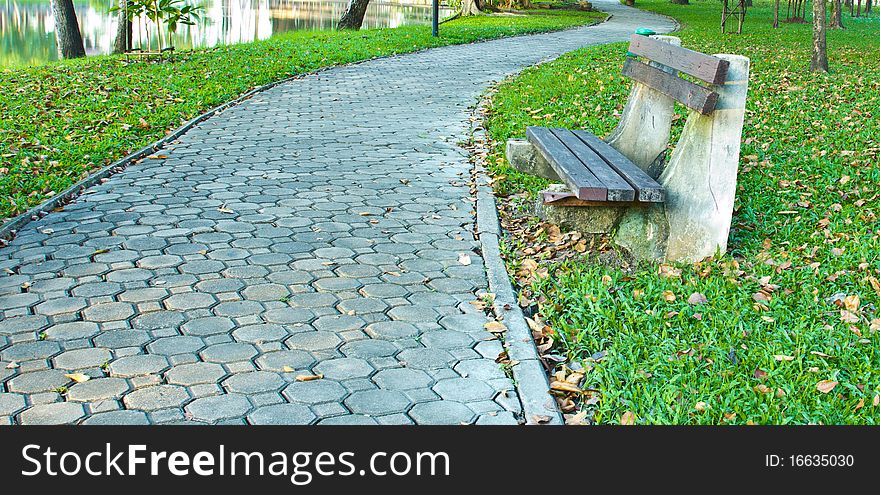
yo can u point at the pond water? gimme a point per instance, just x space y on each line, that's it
27 28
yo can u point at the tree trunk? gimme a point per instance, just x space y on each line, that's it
122 42
70 42
776 14
470 7
867 7
836 15
680 2
353 17
819 62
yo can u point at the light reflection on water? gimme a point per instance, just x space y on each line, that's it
27 29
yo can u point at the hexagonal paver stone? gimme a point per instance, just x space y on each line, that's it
219 407
201 267
261 332
230 352
344 368
265 292
315 392
500 418
464 389
114 311
58 413
72 330
122 417
11 404
238 308
446 339
441 412
178 344
138 365
97 389
161 261
189 300
20 324
481 369
158 319
426 359
79 359
195 373
287 316
402 379
377 402
392 330
464 323
338 323
414 314
156 397
369 348
60 306
254 382
313 341
28 351
209 325
122 338
281 360
282 414
38 381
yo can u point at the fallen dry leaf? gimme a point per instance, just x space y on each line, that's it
697 298
495 327
78 377
668 296
464 259
826 386
308 378
783 357
628 418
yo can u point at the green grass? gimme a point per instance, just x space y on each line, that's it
810 146
61 121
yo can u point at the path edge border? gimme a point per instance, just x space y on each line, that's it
9 228
529 374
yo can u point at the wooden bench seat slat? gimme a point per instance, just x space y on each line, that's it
692 95
618 188
569 168
647 189
711 69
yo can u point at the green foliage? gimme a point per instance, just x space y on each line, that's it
61 121
805 231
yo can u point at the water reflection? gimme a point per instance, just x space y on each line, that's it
27 29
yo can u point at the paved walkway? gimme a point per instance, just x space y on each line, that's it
314 229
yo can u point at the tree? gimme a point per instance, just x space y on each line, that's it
471 7
776 14
353 17
836 15
680 2
122 41
70 42
819 62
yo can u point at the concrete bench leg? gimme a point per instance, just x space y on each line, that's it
700 180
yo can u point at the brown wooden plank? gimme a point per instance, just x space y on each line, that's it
647 189
618 188
692 95
711 69
581 181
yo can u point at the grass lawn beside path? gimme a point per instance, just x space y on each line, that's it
61 121
790 331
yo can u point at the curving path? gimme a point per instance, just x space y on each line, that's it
315 228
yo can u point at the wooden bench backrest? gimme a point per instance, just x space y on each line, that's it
712 70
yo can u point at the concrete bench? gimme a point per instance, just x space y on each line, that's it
678 209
